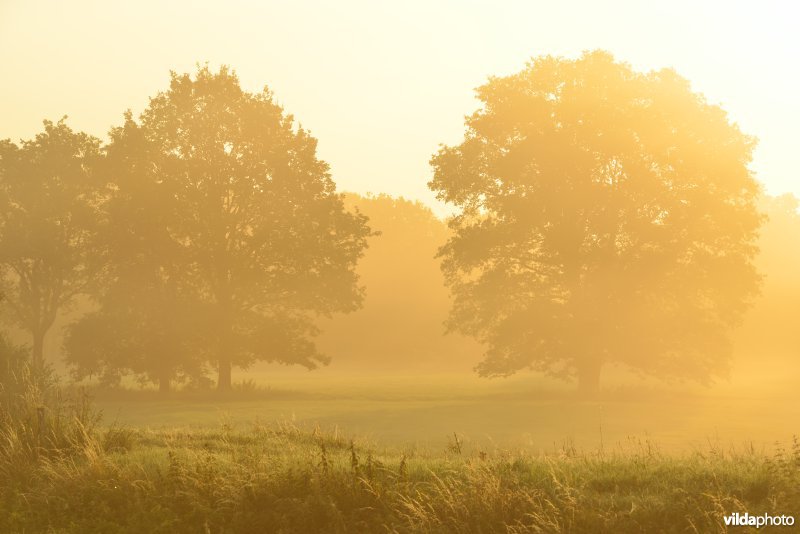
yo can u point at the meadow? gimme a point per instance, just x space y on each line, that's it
523 411
316 453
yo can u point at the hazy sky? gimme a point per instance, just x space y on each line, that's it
381 84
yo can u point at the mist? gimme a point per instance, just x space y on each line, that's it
587 312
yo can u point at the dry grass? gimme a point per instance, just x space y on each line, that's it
62 474
286 479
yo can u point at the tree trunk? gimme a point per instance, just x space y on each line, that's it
224 378
38 348
589 377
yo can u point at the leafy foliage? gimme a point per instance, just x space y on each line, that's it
48 209
220 211
150 317
606 216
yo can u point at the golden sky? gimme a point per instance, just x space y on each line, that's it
381 84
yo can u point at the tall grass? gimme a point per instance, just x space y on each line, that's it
59 472
39 419
282 478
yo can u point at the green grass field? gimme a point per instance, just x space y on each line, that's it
402 454
520 412
283 478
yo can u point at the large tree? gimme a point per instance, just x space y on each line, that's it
606 215
48 208
149 317
265 241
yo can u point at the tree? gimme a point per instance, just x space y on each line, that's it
149 333
400 326
605 216
149 317
263 238
48 206
769 333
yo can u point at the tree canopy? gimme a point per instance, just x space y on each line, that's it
606 215
150 316
48 211
244 221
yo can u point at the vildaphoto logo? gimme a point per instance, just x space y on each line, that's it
746 520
